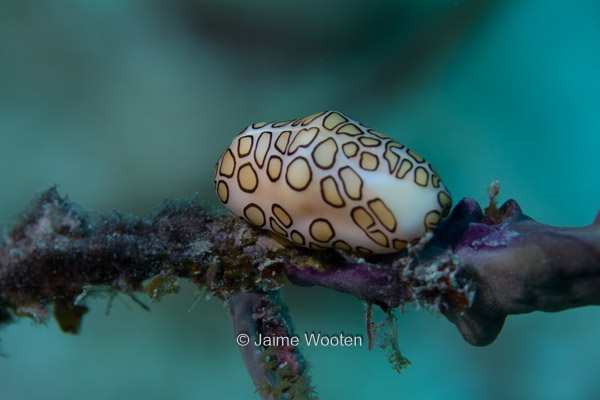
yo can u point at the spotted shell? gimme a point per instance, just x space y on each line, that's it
328 181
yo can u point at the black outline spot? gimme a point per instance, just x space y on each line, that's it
287 142
427 228
368 231
303 145
281 124
314 246
356 222
260 125
221 166
309 176
330 114
299 234
366 138
239 182
328 224
226 188
426 177
377 216
350 143
446 208
332 159
387 241
415 156
306 121
388 149
432 168
360 131
343 243
361 249
260 164
259 209
403 242
249 149
337 190
377 133
271 222
280 168
285 212
407 171
362 158
360 189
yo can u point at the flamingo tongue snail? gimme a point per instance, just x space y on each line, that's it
328 181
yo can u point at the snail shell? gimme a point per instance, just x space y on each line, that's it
328 181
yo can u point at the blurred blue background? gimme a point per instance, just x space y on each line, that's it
125 103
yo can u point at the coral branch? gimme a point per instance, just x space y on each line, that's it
56 252
519 266
278 371
476 269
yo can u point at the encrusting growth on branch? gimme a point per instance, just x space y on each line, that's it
277 371
476 269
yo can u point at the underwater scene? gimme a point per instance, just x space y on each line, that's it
120 105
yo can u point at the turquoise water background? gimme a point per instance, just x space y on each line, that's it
125 103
